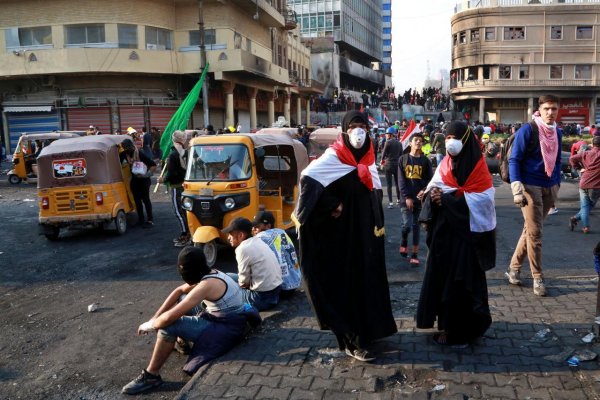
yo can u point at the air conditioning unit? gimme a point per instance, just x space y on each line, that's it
151 46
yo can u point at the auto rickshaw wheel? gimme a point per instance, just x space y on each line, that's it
121 222
14 179
210 252
52 233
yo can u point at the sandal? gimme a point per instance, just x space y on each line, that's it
443 340
414 261
404 251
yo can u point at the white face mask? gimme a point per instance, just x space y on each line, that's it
357 137
453 146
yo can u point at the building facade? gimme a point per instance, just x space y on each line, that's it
386 30
506 53
68 64
345 37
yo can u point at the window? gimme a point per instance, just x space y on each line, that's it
387 42
556 33
38 36
387 31
524 72
127 36
504 72
556 72
486 72
584 32
209 37
387 7
583 72
514 33
490 34
84 34
387 54
158 39
475 35
455 40
462 37
386 18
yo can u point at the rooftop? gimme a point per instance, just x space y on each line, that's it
472 4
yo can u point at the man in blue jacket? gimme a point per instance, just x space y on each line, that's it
534 169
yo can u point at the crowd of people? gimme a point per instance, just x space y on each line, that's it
432 99
341 235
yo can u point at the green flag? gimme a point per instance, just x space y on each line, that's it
180 118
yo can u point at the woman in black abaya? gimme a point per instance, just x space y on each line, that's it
459 212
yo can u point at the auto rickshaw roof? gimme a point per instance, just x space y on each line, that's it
325 135
100 143
260 140
292 132
50 135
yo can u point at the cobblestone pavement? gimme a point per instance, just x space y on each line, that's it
290 358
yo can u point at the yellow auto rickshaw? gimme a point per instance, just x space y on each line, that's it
83 183
28 148
231 176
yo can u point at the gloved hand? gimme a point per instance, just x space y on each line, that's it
518 191
146 327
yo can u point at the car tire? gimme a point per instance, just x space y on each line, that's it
14 179
210 252
121 222
52 233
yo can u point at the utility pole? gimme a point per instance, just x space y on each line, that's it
203 62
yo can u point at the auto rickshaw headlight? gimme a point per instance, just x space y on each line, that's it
187 203
229 203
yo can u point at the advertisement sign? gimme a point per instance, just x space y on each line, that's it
73 168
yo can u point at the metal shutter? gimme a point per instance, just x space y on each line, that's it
132 116
30 122
160 116
79 119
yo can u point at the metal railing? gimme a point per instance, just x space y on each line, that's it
525 83
472 4
311 83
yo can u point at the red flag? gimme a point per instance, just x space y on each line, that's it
412 128
385 118
362 108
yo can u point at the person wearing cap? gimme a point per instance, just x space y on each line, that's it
392 150
174 177
489 148
91 131
259 273
282 246
180 317
589 185
341 235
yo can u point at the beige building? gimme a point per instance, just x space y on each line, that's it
506 53
68 64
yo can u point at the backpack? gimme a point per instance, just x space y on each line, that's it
534 141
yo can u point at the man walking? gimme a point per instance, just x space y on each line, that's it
589 185
392 150
534 169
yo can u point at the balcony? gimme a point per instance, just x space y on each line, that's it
309 86
291 20
473 4
491 84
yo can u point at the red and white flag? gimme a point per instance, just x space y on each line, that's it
412 128
372 120
385 118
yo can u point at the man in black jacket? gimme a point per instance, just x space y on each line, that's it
392 150
174 176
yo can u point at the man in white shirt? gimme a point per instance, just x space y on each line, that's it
259 273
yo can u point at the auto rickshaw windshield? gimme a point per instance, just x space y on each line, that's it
219 162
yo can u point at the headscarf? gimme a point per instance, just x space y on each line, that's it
465 161
180 140
361 158
548 143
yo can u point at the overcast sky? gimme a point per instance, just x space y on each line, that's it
420 32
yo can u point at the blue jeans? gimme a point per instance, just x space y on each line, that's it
410 221
186 327
587 201
260 300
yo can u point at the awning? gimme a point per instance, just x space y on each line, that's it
28 109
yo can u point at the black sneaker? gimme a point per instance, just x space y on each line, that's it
145 381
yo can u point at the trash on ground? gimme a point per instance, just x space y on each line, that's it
562 356
92 307
589 338
573 361
585 355
541 335
438 388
